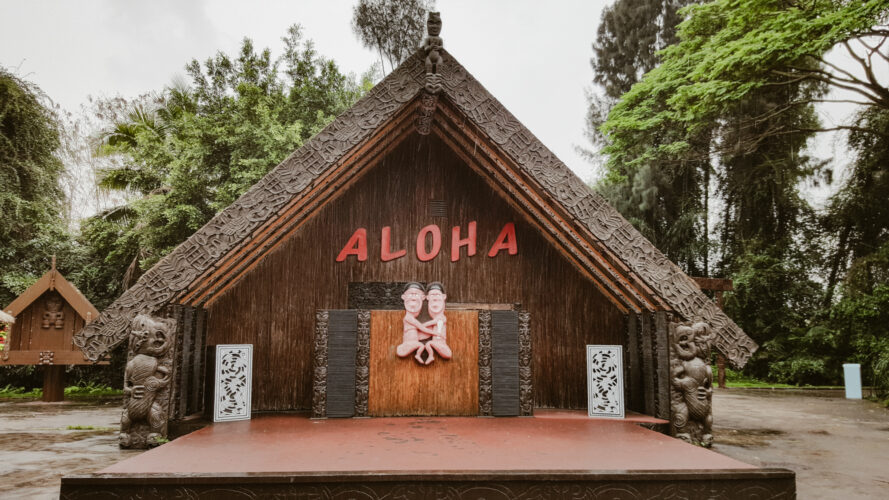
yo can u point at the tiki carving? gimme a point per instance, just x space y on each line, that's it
485 382
53 316
526 394
362 364
424 340
426 113
691 383
432 47
146 381
319 382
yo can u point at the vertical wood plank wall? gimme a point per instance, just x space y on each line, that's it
273 307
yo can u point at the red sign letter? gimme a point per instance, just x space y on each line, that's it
385 240
456 242
422 254
356 246
506 241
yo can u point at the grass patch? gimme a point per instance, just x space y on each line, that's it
10 392
91 391
89 428
88 391
739 380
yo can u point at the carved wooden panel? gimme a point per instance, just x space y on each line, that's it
605 379
362 364
319 363
234 382
401 386
485 387
759 484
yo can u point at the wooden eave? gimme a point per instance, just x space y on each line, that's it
629 270
53 280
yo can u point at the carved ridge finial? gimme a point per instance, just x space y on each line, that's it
432 46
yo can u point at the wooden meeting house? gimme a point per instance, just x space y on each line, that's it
426 188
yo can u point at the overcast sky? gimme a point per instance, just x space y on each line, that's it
533 58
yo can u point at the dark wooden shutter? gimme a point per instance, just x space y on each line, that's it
341 351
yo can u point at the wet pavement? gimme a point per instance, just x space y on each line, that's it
41 442
839 448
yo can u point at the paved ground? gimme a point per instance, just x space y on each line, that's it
838 448
37 446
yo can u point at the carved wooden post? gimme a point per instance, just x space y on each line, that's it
147 381
691 383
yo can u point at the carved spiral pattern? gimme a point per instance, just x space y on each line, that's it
485 381
319 382
362 364
526 393
760 488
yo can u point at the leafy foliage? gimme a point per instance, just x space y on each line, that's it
394 27
190 151
32 229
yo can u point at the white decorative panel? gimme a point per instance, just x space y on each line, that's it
234 379
605 381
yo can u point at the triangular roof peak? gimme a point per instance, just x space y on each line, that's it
53 280
430 93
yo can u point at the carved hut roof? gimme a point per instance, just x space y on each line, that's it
53 280
592 235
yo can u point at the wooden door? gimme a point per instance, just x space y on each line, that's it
402 386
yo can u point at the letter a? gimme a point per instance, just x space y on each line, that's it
506 241
356 246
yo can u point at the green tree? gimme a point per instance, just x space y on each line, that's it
666 201
191 150
31 199
394 28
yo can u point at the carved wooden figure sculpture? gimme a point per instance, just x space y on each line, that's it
692 383
413 298
435 300
432 46
53 315
148 373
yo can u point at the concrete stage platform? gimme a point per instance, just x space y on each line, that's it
555 454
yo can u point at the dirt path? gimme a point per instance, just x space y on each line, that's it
838 448
37 447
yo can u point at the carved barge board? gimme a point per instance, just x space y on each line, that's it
342 351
